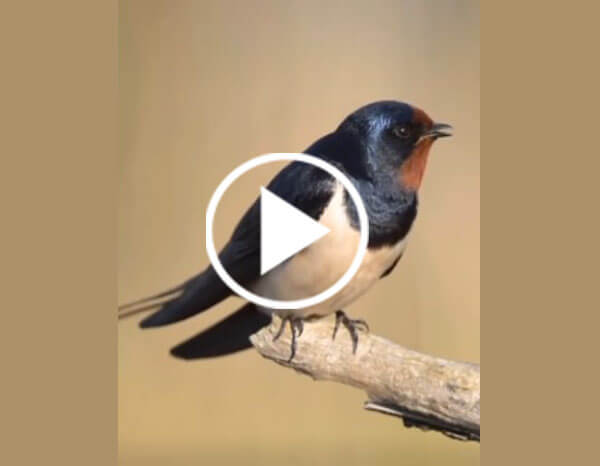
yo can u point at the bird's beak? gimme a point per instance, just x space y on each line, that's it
439 130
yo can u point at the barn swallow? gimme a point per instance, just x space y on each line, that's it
383 149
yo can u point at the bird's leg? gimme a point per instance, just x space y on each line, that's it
299 324
296 327
352 325
284 321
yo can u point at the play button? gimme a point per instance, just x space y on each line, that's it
284 230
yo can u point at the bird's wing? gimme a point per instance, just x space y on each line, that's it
228 336
303 186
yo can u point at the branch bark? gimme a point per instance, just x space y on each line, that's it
425 391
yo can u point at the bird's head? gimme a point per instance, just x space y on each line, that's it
396 139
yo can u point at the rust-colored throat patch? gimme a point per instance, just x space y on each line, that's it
413 168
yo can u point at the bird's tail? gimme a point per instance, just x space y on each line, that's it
230 335
227 336
196 295
150 302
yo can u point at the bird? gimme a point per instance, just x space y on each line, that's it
383 148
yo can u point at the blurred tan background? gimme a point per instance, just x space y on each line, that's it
205 86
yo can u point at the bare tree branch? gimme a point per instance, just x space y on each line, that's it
425 391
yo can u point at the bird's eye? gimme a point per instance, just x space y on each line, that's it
402 131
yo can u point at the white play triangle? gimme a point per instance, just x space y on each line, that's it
284 230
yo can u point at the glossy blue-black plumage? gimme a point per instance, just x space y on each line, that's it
365 148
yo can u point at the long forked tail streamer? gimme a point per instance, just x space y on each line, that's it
138 310
163 294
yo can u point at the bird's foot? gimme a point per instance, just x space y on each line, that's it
296 326
352 325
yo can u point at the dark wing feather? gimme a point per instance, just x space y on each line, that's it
228 336
304 186
391 267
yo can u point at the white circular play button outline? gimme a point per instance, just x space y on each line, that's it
275 303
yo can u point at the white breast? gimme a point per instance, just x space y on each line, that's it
320 265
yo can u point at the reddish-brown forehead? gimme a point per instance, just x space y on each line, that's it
420 117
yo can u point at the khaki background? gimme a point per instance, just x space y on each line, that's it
59 183
205 86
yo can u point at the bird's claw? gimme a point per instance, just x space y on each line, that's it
296 326
352 325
